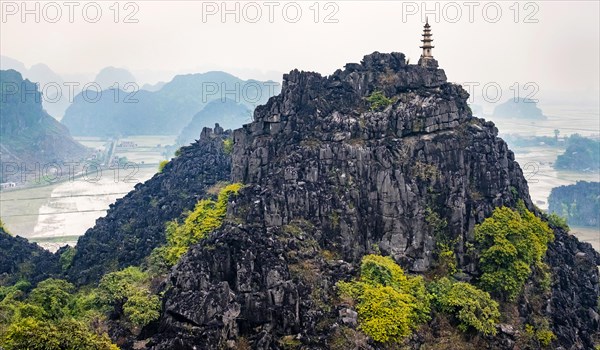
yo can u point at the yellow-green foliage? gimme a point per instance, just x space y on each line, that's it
471 307
446 259
378 101
50 317
162 165
510 242
128 289
142 308
385 313
542 333
558 221
545 336
207 216
390 304
289 342
54 297
67 334
228 146
377 269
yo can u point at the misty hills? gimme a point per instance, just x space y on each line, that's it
153 87
114 104
56 89
53 86
228 114
7 63
110 76
163 112
520 108
29 134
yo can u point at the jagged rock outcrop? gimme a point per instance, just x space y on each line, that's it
21 260
330 180
228 113
373 177
575 291
135 224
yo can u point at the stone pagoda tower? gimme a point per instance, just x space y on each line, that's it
426 59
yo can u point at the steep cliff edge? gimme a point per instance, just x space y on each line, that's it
370 159
135 224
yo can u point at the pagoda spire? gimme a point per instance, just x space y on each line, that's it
426 57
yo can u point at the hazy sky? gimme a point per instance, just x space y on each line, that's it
554 44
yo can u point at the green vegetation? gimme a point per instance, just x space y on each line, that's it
390 304
510 242
558 221
582 154
162 165
51 317
54 315
471 307
207 216
228 146
545 336
446 260
378 101
66 257
128 290
579 204
540 334
67 334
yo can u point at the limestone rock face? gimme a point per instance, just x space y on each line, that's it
372 177
328 180
575 291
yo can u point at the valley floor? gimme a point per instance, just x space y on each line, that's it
56 214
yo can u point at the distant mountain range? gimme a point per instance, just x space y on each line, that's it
164 112
155 87
28 134
52 85
114 104
56 90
